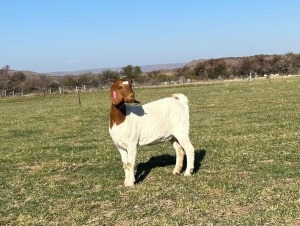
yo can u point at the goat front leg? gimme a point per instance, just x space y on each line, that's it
131 151
129 165
124 156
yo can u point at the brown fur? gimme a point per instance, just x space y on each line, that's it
120 94
117 116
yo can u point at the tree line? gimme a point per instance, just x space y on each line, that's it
223 68
30 82
241 67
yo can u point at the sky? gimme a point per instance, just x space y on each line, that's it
67 35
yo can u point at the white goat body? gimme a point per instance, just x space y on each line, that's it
162 120
154 122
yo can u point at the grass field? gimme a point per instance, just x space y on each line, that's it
58 165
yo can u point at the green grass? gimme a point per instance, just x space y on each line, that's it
58 165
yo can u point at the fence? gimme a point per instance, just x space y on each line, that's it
71 89
151 84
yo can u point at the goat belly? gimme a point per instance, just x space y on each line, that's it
143 142
154 130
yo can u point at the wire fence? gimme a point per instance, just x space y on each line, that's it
62 90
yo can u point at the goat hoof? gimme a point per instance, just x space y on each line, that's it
128 184
176 172
189 172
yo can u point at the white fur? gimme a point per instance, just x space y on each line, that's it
162 120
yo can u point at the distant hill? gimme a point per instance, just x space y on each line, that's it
228 60
234 61
194 62
25 72
145 68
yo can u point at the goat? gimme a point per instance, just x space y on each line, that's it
158 121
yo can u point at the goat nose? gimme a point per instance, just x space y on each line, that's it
132 96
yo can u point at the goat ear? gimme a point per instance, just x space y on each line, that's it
115 95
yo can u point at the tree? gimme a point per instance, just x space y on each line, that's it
131 73
185 72
137 71
2 79
83 79
108 76
209 69
245 67
296 63
199 70
220 68
4 76
70 80
127 71
6 68
261 64
15 80
54 85
276 62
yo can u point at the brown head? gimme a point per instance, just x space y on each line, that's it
120 93
121 90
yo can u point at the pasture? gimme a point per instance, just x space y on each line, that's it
58 165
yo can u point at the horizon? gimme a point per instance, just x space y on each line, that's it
116 68
55 36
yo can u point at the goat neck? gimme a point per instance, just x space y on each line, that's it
117 113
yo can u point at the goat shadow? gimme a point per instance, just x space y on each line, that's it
135 109
143 169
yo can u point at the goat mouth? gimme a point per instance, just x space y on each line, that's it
130 101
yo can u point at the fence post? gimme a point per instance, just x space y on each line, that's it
79 101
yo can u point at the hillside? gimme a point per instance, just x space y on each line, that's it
233 61
145 68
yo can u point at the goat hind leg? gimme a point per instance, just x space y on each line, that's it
190 154
179 157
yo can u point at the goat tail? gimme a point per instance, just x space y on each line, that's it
182 98
185 103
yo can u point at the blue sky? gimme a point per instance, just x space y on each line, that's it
64 35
